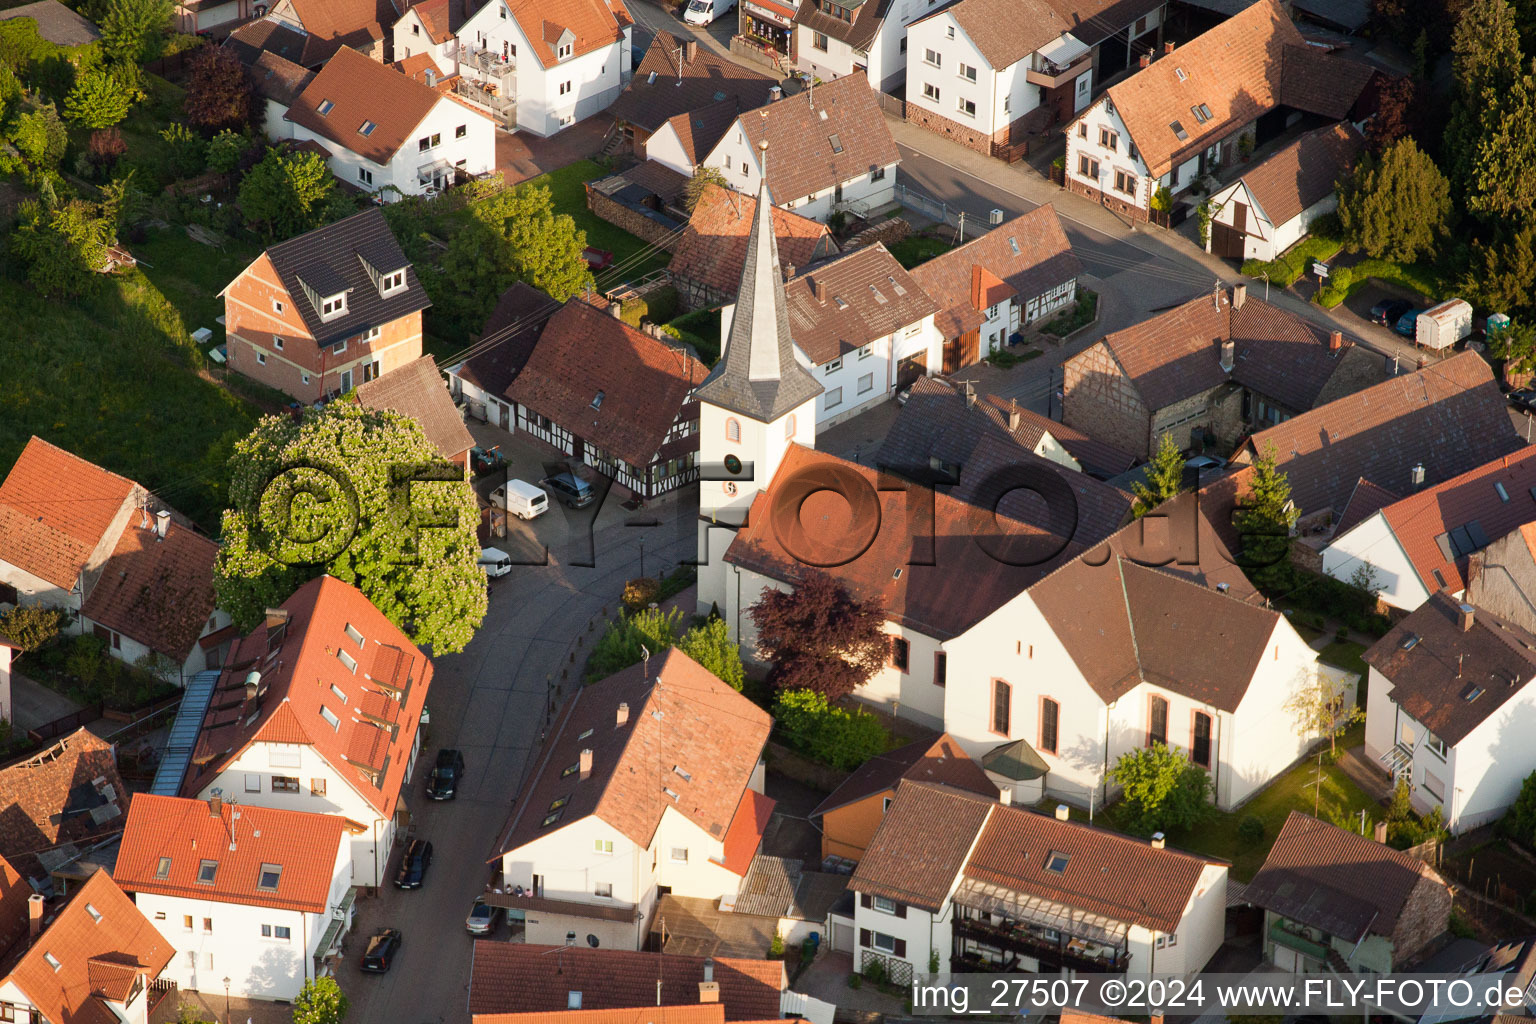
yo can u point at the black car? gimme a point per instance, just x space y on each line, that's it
413 866
486 460
1523 398
443 783
1387 311
382 947
574 491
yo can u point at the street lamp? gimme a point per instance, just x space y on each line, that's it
226 999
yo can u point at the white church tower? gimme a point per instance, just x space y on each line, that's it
757 401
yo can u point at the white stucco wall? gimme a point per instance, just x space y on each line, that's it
1265 240
664 147
1372 542
1265 739
739 164
834 62
1001 95
1102 115
477 149
34 590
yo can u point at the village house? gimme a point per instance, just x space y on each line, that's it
512 981
56 23
827 149
1273 205
989 74
241 892
93 958
989 288
1502 577
63 801
279 39
1419 545
276 82
602 829
417 392
385 133
310 32
684 142
1210 371
866 327
677 78
431 29
532 67
125 565
707 259
992 887
1184 115
861 37
322 313
1335 901
941 426
615 398
1451 709
212 17
511 332
849 816
319 712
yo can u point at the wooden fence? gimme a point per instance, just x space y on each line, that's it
61 726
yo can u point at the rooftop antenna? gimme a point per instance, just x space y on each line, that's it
679 52
1216 294
645 662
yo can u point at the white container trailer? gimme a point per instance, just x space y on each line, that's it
1444 325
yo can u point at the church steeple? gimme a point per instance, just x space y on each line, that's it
758 376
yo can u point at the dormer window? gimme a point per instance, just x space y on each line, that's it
325 107
391 283
563 52
207 871
333 306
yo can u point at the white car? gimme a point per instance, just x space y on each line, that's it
495 562
521 498
703 12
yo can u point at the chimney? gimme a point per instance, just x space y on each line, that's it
1005 796
789 271
1159 840
162 523
818 289
1063 812
775 94
1167 47
1146 60
690 50
1380 832
970 394
35 914
215 807
1014 417
1228 355
709 968
622 716
709 991
431 77
1335 341
1464 617
586 762
1239 295
1417 475
616 310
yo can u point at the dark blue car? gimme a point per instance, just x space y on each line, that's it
1407 324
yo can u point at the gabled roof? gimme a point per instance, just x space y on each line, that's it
56 23
512 977
14 916
511 332
1238 71
350 22
417 391
337 257
1328 878
1091 509
941 760
54 797
157 591
1004 31
56 509
1451 679
1027 256
1449 417
1314 80
440 18
617 387
713 248
1093 21
865 295
1292 179
681 716
821 137
868 16
105 948
706 78
269 35
922 844
301 668
699 130
276 77
591 24
243 840
1365 501
359 92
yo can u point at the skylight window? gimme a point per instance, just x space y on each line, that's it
207 871
550 819
881 299
1182 76
597 402
325 107
330 717
840 303
1471 693
53 961
270 875
347 660
584 734
1057 862
682 773
572 770
1206 111
559 802
1178 129
672 793
1200 115
95 914
366 128
1503 494
837 143
163 869
351 630
338 692
1013 243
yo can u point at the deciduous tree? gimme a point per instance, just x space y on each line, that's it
218 92
544 248
1323 706
225 150
1520 822
819 637
1397 208
320 1001
62 247
710 645
1165 478
329 494
132 31
41 137
1162 788
703 178
287 195
97 100
1396 115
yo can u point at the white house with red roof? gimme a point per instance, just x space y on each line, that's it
137 573
319 710
650 779
257 895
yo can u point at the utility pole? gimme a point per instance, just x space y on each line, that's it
960 239
1265 275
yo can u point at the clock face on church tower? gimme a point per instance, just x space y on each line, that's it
732 465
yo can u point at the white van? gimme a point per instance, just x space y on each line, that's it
702 12
521 499
495 562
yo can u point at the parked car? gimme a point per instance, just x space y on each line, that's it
1388 311
597 259
495 562
574 491
413 865
704 12
1408 324
443 783
381 950
520 498
1201 468
1523 398
486 460
482 918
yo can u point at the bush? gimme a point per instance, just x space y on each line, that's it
836 737
1519 823
1251 829
621 642
640 593
633 310
662 304
712 647
1460 927
776 947
874 972
855 981
106 148
84 658
31 626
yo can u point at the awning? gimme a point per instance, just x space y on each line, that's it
995 899
1016 760
427 171
217 637
775 12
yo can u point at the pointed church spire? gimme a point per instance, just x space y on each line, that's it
758 375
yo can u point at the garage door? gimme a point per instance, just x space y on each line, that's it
842 936
1226 242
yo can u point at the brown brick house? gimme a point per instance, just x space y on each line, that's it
319 314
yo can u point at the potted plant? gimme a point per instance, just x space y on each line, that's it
1245 146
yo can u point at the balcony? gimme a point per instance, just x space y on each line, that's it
1050 75
1280 934
1062 952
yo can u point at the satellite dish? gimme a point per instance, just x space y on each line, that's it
592 941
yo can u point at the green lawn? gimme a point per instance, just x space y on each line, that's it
1345 654
1347 280
1295 261
566 187
915 249
191 275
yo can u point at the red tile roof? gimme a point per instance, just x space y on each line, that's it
745 835
1290 180
441 18
349 22
56 510
418 392
713 248
511 977
866 295
614 386
711 733
1006 31
799 130
594 24
921 844
99 957
1366 500
303 845
14 894
360 91
707 77
941 760
391 673
158 592
51 797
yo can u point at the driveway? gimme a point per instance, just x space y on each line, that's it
523 155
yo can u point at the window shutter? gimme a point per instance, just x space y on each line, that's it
864 937
901 910
901 948
865 900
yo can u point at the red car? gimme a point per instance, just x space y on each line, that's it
597 259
